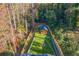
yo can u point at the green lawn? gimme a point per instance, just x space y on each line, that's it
41 45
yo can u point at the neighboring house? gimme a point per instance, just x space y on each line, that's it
43 29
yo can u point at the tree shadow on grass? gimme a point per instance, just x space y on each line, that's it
47 46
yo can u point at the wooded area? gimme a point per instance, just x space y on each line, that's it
16 22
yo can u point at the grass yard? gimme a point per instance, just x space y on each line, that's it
41 45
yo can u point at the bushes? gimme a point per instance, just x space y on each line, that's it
6 53
69 46
61 18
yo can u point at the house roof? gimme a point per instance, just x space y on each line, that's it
43 27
